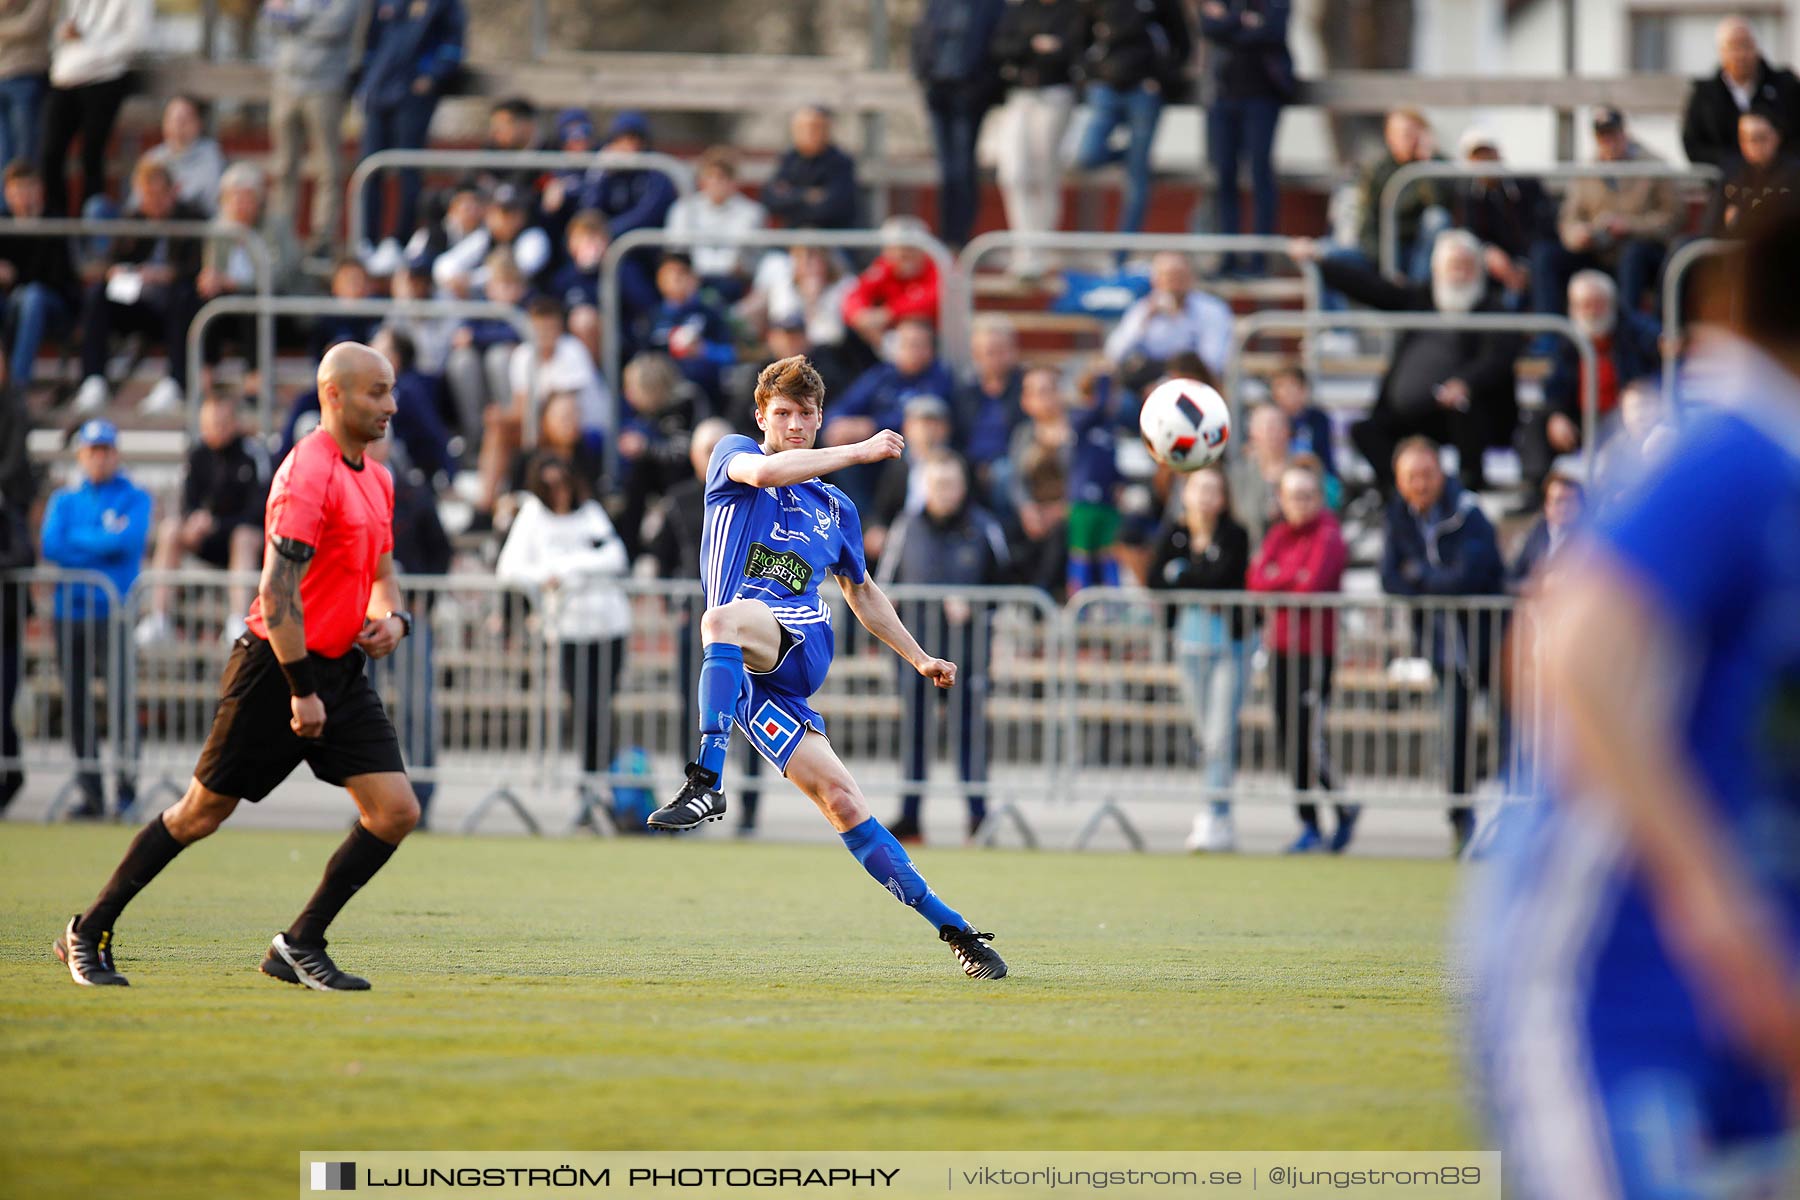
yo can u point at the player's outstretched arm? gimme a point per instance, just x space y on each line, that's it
797 466
284 566
1608 657
876 612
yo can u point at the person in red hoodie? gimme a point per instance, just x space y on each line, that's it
1303 553
902 283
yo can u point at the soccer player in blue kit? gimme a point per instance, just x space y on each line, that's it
773 532
1637 1016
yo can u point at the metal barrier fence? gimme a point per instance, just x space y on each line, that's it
680 173
1674 275
580 698
1388 218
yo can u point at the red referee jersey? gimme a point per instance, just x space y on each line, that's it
346 514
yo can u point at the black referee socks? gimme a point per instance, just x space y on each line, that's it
354 864
151 850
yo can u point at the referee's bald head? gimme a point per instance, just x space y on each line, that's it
356 391
347 363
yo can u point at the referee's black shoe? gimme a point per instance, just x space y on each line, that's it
698 802
89 959
972 950
297 962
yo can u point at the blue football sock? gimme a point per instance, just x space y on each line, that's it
721 679
885 860
1081 572
1109 571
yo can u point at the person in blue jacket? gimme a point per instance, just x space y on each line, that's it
424 442
955 66
414 50
101 524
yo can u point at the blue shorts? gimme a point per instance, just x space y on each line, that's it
772 708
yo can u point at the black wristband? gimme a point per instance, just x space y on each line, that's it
299 676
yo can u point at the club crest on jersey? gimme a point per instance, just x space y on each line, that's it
824 519
778 534
785 567
773 729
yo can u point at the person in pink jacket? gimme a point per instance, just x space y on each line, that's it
1303 553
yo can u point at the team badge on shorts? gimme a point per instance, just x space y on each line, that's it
773 729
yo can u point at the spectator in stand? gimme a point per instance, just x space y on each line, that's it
1761 173
718 209
660 413
99 524
38 278
577 281
1509 214
1175 317
465 215
16 554
148 288
1094 483
1046 432
1038 47
1744 83
1564 500
195 162
560 436
1136 63
987 404
953 64
902 284
1626 347
350 283
1450 385
91 50
877 400
1419 214
1437 543
220 522
1304 554
1645 437
228 266
808 282
950 542
1203 548
1039 534
430 335
1255 473
689 329
629 197
460 271
24 66
309 85
512 126
562 543
900 483
1622 226
411 53
477 372
814 184
1253 76
1291 391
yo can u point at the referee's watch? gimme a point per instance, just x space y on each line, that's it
405 620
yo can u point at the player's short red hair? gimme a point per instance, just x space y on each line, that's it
792 378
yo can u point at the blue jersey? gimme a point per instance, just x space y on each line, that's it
776 544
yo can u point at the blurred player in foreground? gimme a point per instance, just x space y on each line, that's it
1637 1017
773 532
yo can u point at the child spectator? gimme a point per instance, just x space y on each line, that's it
478 370
688 329
1291 391
349 281
657 425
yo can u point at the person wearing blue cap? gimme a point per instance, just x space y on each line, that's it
630 197
101 524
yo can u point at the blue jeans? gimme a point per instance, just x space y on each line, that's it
954 127
1212 682
32 311
1139 111
403 127
1244 128
21 110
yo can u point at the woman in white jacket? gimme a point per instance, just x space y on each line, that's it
90 51
563 542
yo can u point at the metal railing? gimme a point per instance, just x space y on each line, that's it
253 242
1252 324
952 335
680 173
1674 274
1388 217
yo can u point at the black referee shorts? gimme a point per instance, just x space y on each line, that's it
252 748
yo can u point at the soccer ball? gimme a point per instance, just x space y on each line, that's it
1185 424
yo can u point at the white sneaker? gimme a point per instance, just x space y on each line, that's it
165 397
1212 834
92 396
155 627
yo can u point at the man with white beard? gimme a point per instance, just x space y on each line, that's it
1625 349
1453 386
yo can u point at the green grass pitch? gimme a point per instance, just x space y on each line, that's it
583 995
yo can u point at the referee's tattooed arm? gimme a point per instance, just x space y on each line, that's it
285 620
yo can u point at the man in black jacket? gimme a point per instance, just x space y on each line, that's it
1451 386
951 61
1252 77
814 185
1136 65
1510 214
950 543
1744 82
37 276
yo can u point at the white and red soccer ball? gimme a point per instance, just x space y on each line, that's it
1185 424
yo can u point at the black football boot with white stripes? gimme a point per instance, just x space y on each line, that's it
698 802
972 950
89 958
310 966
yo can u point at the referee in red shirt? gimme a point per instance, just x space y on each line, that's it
295 690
